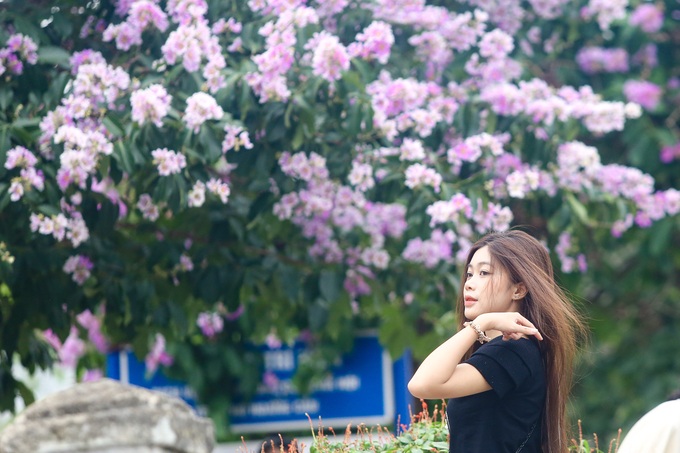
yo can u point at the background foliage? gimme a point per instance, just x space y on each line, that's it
324 183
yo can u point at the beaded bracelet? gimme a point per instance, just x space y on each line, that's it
481 336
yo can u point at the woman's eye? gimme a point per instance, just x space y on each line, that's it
484 273
468 275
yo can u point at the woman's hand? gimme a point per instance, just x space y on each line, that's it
512 325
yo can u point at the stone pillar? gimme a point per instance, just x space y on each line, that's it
108 417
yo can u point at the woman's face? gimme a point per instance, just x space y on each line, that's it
487 288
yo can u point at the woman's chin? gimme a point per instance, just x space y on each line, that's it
470 314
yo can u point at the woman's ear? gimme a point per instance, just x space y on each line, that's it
520 291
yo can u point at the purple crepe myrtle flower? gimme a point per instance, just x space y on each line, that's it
211 324
79 266
234 315
642 92
93 326
92 375
157 355
72 349
647 16
273 341
669 153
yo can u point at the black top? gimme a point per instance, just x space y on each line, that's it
500 420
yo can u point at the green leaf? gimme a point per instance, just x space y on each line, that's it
26 122
53 55
298 137
330 285
318 314
578 208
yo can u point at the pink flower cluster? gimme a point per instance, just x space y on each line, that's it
577 166
508 15
431 252
400 105
433 50
593 60
157 355
544 104
269 82
20 157
87 56
326 211
443 31
235 138
219 188
93 326
100 83
107 187
201 107
330 57
329 8
79 266
76 125
92 26
19 48
150 104
510 177
81 154
168 162
412 150
459 214
418 175
548 9
141 15
186 264
670 153
184 12
647 16
569 263
642 92
522 182
196 196
496 44
210 323
456 208
605 11
146 205
375 42
59 226
460 31
71 350
193 43
473 147
361 176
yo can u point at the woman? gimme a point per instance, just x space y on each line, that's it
507 372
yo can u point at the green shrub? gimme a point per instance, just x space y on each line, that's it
427 433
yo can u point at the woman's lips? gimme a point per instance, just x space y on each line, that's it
469 301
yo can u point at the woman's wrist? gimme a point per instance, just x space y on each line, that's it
481 335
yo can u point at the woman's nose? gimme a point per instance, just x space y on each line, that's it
469 284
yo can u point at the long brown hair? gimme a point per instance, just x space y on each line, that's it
547 306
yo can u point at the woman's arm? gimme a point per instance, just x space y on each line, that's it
441 375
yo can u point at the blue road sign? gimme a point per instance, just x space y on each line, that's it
359 389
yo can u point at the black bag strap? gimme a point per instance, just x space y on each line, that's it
531 431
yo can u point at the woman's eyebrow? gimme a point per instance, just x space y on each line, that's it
481 263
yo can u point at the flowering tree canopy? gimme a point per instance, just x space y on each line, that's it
190 176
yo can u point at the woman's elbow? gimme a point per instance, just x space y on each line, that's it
417 389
